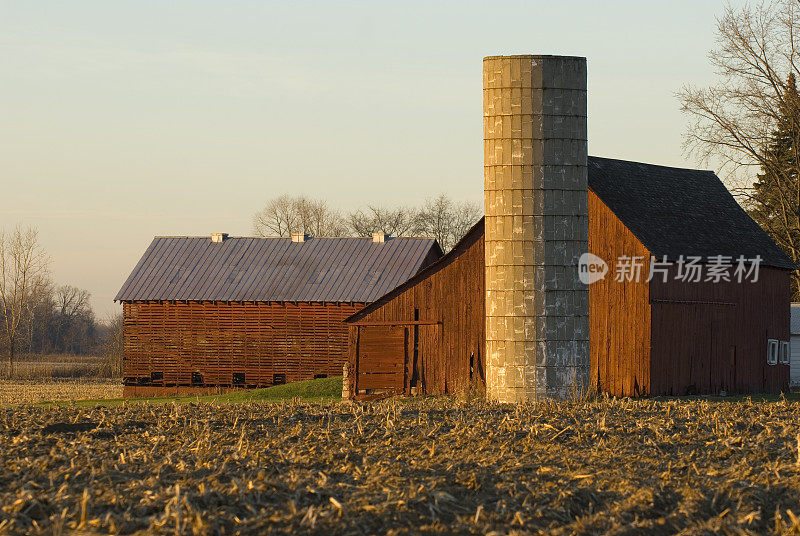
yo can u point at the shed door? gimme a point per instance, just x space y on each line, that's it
381 358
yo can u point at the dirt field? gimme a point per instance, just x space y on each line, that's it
425 466
33 391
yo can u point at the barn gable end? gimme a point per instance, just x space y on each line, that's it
441 313
619 312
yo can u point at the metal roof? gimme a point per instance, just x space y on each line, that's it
275 269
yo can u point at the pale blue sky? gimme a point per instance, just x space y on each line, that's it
121 121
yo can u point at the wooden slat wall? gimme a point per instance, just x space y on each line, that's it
709 337
218 339
619 313
381 358
453 296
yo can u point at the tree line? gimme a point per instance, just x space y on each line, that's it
38 316
748 122
439 217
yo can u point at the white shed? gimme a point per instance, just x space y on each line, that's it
794 375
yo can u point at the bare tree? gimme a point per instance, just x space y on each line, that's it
38 315
447 220
286 214
465 215
277 218
23 269
398 221
113 346
439 217
735 121
435 219
74 318
72 301
318 219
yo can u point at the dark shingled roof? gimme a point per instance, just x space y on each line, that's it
672 211
275 269
677 212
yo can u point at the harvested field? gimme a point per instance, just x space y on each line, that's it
62 366
420 466
33 391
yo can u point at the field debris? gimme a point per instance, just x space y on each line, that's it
423 466
34 391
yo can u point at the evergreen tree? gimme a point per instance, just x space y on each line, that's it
775 201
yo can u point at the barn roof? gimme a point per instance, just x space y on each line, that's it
677 212
275 269
673 211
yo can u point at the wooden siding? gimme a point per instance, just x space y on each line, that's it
619 312
709 337
219 339
443 317
679 338
646 338
382 358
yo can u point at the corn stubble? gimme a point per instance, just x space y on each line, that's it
43 390
422 466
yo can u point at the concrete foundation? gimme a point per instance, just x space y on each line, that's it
537 310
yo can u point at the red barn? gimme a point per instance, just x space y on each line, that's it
209 313
653 337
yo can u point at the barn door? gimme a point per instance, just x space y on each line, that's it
723 353
382 357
